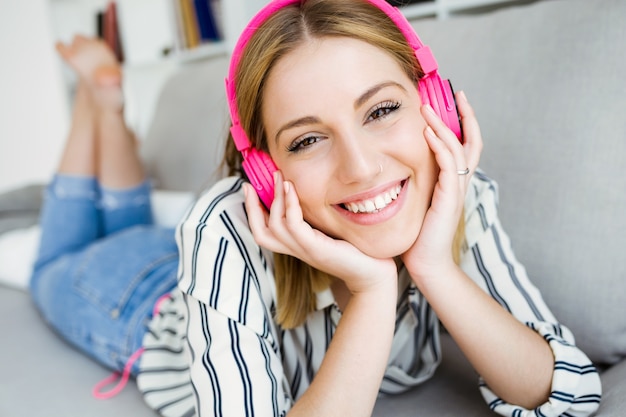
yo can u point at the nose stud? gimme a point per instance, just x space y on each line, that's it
380 171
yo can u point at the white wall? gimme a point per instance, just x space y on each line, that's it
33 104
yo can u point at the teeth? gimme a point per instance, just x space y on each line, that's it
380 203
377 203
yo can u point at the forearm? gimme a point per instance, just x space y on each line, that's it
349 378
515 362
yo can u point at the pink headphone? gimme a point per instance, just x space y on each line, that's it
433 90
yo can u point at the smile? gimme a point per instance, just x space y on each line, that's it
375 204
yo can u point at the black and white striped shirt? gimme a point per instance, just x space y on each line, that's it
215 349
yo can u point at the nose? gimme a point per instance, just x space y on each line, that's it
357 158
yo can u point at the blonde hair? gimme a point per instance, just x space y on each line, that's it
284 31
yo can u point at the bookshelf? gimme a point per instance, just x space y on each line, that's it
443 9
150 33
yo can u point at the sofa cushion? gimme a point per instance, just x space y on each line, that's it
19 207
614 391
44 376
550 99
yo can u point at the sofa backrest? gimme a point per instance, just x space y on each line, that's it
548 84
184 144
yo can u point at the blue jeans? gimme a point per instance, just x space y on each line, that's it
102 264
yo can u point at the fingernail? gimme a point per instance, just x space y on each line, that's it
463 96
245 190
286 186
430 132
429 109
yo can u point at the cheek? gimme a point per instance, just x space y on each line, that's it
310 189
412 150
310 183
427 177
408 134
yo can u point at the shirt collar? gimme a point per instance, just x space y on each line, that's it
324 298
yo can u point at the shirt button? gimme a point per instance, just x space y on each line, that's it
115 313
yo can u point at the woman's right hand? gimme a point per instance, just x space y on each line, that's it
284 230
369 311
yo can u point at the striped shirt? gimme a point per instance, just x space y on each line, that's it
216 350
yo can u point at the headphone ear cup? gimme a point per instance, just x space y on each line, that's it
439 95
260 170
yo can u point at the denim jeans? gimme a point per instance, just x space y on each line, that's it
102 265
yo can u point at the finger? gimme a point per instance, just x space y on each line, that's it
473 142
448 176
446 135
449 193
257 215
63 50
303 237
277 210
294 219
277 221
258 218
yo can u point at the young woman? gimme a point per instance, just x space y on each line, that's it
380 227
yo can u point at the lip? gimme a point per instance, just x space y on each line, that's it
379 216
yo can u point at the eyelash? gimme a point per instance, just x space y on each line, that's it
386 108
299 145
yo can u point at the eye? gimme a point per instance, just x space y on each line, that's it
302 143
382 110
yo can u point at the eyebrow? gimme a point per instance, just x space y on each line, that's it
307 120
303 121
375 89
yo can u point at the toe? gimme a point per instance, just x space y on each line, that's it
107 76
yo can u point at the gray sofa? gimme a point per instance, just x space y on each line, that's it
548 82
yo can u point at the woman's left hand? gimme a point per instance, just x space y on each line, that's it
431 254
519 363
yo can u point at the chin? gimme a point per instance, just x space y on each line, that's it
386 248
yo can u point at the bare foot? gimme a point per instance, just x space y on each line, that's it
96 66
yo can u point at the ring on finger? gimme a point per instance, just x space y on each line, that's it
463 171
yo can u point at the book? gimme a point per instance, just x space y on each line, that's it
206 21
100 24
190 23
216 9
110 30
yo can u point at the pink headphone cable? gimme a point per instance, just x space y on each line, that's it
124 376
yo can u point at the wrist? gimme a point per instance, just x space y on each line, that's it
374 284
425 277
